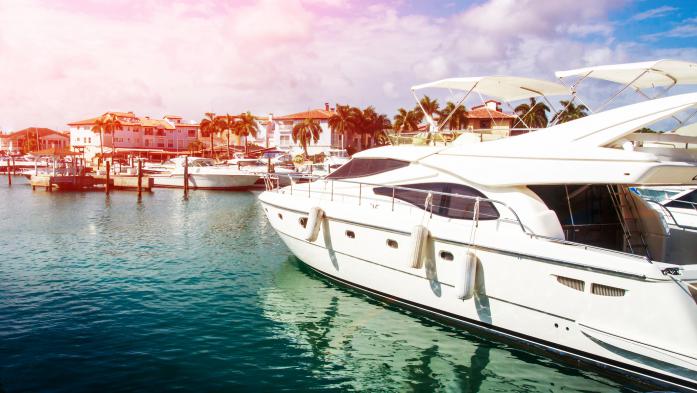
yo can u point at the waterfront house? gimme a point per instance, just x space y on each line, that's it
33 139
283 130
139 135
489 116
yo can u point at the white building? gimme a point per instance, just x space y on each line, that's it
283 129
138 134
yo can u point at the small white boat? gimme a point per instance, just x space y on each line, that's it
204 174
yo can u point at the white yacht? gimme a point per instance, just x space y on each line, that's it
535 239
204 174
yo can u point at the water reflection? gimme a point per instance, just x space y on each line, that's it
371 346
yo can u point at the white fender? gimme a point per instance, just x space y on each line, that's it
419 237
466 273
314 219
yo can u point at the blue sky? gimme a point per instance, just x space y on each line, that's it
68 60
665 24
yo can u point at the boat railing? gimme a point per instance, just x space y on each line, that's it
272 182
667 213
445 137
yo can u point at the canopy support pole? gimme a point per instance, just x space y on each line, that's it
456 105
622 89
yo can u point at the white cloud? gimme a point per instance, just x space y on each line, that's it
685 29
653 13
69 62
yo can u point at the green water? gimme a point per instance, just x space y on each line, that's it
165 294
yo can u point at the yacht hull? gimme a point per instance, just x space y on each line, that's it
430 291
207 181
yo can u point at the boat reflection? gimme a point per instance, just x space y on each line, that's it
363 345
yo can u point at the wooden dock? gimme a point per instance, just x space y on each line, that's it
89 182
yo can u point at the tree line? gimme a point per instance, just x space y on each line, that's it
365 126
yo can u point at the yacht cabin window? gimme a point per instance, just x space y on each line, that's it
359 167
447 205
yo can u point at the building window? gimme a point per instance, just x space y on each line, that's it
148 131
192 133
449 206
285 140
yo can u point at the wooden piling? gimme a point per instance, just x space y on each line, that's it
9 173
186 176
140 176
108 173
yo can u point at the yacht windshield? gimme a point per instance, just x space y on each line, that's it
360 167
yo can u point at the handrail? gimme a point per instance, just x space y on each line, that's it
273 184
670 214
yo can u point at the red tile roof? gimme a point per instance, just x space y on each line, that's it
320 114
481 112
32 130
133 120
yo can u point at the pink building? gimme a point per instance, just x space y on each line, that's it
167 135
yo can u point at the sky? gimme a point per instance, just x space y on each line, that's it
68 60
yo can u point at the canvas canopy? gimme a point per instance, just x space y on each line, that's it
647 74
506 88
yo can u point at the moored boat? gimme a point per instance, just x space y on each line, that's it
204 174
536 239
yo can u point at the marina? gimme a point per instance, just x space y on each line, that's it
339 196
169 294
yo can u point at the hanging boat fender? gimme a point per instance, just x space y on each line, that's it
465 276
314 220
419 238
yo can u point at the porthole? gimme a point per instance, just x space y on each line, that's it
446 256
280 216
350 234
392 243
303 221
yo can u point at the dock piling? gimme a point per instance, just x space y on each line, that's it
108 172
140 176
9 173
186 176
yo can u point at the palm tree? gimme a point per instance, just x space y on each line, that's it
228 125
429 106
209 127
570 112
533 114
343 121
106 124
405 120
246 125
195 146
306 131
112 125
98 128
372 123
458 118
